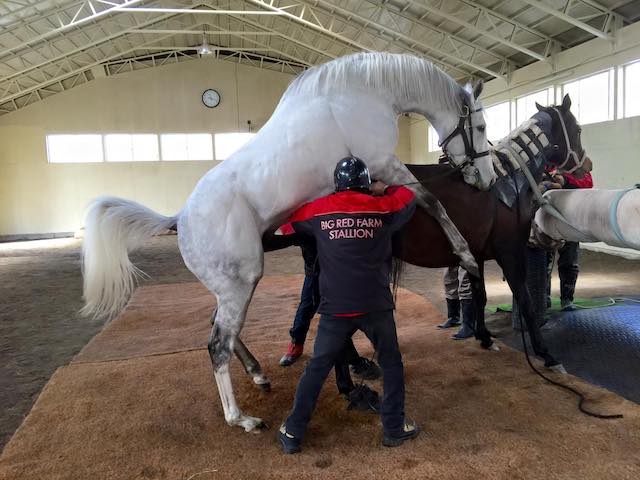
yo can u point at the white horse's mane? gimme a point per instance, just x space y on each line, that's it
400 75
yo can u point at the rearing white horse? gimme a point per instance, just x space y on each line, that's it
347 106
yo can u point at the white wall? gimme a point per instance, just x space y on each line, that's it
38 197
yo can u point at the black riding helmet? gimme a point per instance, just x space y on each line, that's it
351 173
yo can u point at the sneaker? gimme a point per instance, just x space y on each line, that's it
294 351
290 444
366 369
410 430
567 305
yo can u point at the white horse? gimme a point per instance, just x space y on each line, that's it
593 215
347 106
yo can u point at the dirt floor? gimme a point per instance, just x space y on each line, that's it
139 403
40 288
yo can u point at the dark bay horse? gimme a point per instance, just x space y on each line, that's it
493 229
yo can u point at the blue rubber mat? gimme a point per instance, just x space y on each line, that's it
600 345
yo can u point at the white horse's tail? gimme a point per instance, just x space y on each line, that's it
113 228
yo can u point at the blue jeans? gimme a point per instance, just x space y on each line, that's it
568 269
309 302
333 334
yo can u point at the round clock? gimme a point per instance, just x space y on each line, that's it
211 98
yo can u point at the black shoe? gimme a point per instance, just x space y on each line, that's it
290 444
451 322
410 430
468 321
363 399
366 369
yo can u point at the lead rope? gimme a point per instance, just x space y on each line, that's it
579 394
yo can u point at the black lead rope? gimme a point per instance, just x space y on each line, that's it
576 392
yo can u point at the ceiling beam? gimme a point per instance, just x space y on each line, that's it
434 28
474 28
567 18
368 25
397 35
85 13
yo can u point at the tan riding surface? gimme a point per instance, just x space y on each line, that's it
139 402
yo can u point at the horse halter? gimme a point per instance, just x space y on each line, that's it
571 153
467 138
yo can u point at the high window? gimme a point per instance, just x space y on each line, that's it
498 119
631 103
186 146
77 148
526 106
591 97
433 140
123 147
228 143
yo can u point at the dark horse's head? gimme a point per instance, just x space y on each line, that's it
569 156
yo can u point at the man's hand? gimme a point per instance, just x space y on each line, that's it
378 188
559 179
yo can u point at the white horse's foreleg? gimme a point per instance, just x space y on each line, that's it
395 172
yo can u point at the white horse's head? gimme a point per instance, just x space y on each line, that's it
464 139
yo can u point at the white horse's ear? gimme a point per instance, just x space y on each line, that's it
566 102
468 87
477 90
539 107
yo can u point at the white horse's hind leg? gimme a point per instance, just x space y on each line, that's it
395 172
251 365
228 320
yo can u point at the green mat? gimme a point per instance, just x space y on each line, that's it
555 305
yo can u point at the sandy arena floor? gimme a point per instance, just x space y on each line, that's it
139 403
40 287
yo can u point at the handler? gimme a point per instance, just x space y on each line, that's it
353 231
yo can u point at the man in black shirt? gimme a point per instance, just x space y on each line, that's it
353 231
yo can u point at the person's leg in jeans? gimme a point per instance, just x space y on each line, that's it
380 328
309 302
568 272
333 333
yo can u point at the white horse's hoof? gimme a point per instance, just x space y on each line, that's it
250 424
559 368
263 382
494 347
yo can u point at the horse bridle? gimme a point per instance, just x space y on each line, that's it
467 138
571 153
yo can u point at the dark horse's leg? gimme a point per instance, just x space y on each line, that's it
480 301
515 271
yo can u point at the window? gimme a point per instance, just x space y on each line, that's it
186 146
498 118
526 106
74 148
228 143
131 148
631 106
433 140
591 97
